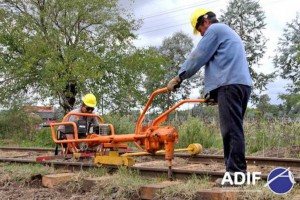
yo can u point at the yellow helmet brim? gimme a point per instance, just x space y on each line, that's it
195 15
196 32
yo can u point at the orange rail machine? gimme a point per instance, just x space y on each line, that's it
149 140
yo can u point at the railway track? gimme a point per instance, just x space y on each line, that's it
199 165
26 149
202 158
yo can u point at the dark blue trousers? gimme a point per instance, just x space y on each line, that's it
232 102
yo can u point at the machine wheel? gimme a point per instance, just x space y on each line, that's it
128 161
195 148
98 164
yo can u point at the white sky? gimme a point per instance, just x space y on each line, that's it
162 18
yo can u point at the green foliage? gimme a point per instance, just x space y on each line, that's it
196 131
291 104
93 172
177 48
264 135
123 185
186 189
263 103
287 59
246 17
22 128
155 78
19 124
122 124
124 87
42 138
174 50
47 44
23 173
194 126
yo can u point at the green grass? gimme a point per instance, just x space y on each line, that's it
124 184
259 135
23 173
122 124
264 135
41 138
196 131
186 189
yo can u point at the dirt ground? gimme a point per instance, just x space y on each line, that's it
33 190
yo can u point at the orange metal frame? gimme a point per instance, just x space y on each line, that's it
147 138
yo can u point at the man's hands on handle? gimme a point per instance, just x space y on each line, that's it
209 100
174 83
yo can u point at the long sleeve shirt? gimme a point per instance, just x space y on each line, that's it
223 54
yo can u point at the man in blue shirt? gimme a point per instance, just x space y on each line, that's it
227 81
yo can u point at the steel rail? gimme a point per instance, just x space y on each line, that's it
201 158
144 171
27 149
270 161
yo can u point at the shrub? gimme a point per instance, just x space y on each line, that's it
122 124
196 131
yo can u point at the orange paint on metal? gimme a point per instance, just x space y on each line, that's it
147 138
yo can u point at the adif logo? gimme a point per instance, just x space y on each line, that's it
280 180
240 178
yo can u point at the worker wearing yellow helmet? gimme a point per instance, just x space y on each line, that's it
88 105
89 102
227 82
198 16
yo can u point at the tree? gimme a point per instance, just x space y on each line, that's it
291 103
263 104
287 59
124 89
56 49
247 18
177 48
18 123
174 50
154 77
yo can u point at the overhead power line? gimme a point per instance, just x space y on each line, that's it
167 27
146 30
143 29
180 9
170 14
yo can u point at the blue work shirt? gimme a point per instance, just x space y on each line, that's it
222 52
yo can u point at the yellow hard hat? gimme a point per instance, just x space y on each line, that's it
195 15
89 100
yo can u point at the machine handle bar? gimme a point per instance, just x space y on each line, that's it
160 119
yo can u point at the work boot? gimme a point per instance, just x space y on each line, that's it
231 183
218 183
